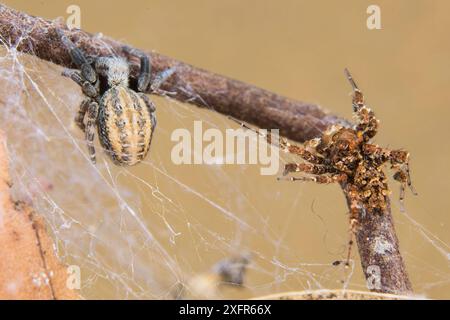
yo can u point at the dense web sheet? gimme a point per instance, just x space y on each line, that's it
146 231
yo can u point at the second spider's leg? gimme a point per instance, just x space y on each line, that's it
400 161
353 221
285 146
307 168
402 176
300 151
367 125
79 118
92 114
378 154
322 179
398 158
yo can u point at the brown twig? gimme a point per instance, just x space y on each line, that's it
376 240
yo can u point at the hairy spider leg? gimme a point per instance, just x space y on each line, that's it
78 57
399 161
79 118
350 79
144 75
89 89
355 207
307 168
145 67
358 98
322 179
367 125
284 145
411 187
92 115
144 78
160 78
403 176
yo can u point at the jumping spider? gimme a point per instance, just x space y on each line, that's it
125 119
346 156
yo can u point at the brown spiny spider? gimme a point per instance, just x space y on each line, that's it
125 119
346 156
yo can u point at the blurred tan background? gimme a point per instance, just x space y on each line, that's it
298 49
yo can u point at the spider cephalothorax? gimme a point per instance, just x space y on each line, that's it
125 119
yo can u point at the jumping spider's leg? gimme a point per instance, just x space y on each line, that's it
367 125
160 78
78 57
92 114
145 72
144 75
89 89
79 118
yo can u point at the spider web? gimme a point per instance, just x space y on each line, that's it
142 232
